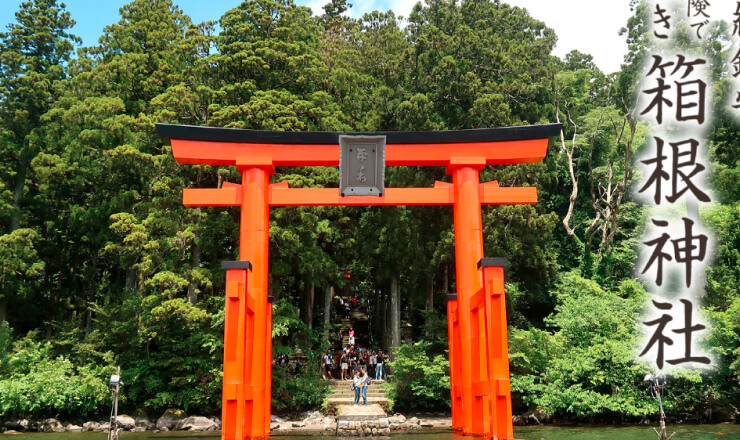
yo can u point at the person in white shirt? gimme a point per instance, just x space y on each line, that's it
327 364
365 383
357 383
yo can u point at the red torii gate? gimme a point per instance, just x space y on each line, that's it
476 315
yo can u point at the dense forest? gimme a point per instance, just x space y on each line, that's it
101 265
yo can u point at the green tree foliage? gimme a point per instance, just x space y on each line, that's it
33 54
419 382
588 365
34 381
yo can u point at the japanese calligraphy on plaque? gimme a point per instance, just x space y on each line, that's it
361 165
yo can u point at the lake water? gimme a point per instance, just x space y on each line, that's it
683 432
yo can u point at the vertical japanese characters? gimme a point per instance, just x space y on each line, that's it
673 100
735 60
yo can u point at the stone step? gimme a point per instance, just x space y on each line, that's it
361 410
347 390
342 384
370 390
334 403
339 382
362 420
352 395
337 401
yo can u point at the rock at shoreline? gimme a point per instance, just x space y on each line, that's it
73 428
531 418
17 425
311 415
276 419
48 425
126 422
90 426
195 424
170 418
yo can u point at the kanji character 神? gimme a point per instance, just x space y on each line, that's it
686 250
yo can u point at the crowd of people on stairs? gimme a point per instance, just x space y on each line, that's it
353 360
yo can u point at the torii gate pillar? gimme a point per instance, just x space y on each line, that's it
468 251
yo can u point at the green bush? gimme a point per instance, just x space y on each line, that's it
418 382
586 365
35 383
304 390
297 392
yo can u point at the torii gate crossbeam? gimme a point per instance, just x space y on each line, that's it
479 368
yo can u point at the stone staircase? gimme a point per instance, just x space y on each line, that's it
342 395
359 420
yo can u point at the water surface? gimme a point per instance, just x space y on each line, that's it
683 432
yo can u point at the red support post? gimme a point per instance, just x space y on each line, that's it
268 369
234 405
498 348
468 251
453 339
254 246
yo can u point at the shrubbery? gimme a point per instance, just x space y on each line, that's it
305 389
418 382
34 382
297 392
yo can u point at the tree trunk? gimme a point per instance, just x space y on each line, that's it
384 310
193 286
395 313
3 310
446 280
429 306
130 278
307 300
377 310
328 296
20 185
